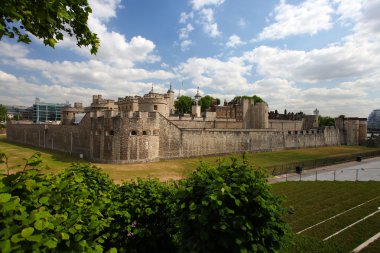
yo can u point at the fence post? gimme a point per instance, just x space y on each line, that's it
286 177
357 174
334 174
316 175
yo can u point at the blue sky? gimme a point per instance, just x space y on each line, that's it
296 55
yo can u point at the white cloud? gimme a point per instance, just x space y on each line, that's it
114 47
184 32
234 41
104 9
310 17
184 17
199 4
242 23
216 74
349 60
210 27
11 86
16 50
349 10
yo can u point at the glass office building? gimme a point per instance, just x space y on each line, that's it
374 120
47 112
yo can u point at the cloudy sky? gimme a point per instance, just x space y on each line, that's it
296 55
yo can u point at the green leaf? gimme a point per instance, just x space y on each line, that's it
5 197
65 236
35 238
192 206
112 250
44 200
5 246
51 244
16 238
26 232
40 225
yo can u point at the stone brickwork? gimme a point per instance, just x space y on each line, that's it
115 133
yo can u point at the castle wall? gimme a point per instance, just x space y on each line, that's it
69 139
199 142
202 123
149 136
286 125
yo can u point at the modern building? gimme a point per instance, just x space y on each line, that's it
374 120
47 112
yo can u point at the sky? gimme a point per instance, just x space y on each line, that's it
296 55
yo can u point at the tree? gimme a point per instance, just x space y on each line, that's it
47 20
326 121
205 102
183 104
255 98
3 113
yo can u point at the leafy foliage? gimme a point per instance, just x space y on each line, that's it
145 222
64 213
47 20
326 121
229 208
183 104
224 209
207 101
3 113
255 98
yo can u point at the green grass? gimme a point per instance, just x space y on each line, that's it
179 168
313 202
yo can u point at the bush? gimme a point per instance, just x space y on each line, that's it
63 213
145 221
225 209
229 209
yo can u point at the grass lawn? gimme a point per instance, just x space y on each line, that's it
312 202
174 169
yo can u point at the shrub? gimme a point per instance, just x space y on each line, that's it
229 208
63 213
145 221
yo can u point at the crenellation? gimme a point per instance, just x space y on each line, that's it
143 129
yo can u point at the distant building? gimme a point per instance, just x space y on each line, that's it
374 120
17 112
47 112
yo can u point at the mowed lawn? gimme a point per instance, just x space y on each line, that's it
312 202
174 169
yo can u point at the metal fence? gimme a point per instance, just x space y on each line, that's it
350 174
306 165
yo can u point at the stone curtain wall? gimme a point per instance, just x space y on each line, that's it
68 139
150 136
286 125
207 142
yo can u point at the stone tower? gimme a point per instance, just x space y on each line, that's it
170 97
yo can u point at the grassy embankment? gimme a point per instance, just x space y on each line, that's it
313 202
174 169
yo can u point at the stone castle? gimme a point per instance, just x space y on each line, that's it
146 128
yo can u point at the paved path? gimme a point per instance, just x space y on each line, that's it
368 169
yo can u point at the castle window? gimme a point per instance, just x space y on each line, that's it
155 107
145 133
112 132
133 132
